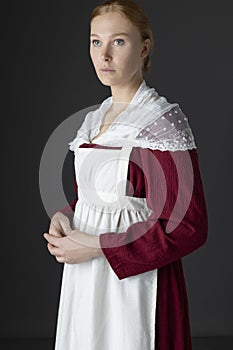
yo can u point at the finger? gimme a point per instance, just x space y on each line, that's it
52 239
53 228
54 231
54 250
61 222
65 225
60 259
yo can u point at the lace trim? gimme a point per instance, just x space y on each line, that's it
171 132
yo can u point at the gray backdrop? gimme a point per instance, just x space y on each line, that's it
48 76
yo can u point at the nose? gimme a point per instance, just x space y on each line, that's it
105 58
105 54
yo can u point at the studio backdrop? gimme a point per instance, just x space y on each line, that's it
48 77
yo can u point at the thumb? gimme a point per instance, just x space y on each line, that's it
65 226
53 230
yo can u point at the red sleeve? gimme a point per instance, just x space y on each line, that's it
172 182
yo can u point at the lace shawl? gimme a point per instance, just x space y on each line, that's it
149 121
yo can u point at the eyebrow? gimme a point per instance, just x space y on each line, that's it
112 34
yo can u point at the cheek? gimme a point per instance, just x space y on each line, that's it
129 60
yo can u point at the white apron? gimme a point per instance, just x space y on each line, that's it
97 311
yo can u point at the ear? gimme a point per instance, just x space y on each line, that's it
146 48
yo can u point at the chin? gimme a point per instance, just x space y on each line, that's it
105 81
109 81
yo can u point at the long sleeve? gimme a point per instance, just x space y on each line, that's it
173 183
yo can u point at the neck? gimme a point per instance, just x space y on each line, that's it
125 93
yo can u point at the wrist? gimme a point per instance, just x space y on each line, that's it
98 251
87 240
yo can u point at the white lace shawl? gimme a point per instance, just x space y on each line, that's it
149 121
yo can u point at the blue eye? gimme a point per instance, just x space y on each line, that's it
119 40
93 41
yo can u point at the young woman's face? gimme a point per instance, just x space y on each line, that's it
122 54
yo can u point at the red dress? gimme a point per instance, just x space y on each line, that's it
152 247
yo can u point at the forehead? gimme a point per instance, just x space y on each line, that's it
111 22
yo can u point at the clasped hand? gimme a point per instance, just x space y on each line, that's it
70 246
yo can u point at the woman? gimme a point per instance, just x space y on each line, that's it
140 204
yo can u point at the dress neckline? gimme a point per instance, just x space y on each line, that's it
96 145
103 112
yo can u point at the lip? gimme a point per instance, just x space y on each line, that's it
107 70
